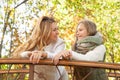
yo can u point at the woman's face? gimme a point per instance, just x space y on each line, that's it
54 34
81 31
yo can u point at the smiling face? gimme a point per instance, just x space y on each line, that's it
81 31
54 33
85 28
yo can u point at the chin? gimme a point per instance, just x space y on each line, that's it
55 39
80 38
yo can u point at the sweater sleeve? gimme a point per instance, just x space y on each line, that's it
51 51
24 54
96 54
58 48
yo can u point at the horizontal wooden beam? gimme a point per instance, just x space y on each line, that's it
114 75
14 71
63 62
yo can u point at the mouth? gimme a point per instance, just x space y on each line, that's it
55 37
79 37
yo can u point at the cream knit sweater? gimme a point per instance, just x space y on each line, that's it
47 72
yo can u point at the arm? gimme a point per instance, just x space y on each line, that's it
95 55
26 54
49 52
65 53
56 51
34 56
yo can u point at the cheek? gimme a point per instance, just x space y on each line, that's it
52 36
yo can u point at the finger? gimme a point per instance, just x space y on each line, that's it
31 58
55 61
34 57
68 54
39 57
65 54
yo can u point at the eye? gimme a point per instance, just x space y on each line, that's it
80 29
55 29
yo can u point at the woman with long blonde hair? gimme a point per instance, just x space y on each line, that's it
43 43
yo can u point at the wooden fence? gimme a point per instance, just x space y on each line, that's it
113 69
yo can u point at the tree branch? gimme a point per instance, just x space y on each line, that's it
20 4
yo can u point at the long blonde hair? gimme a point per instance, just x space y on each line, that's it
39 37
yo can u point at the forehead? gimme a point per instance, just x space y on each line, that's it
81 26
54 25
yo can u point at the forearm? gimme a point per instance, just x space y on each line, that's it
26 54
95 55
78 56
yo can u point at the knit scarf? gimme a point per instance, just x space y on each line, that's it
88 43
83 46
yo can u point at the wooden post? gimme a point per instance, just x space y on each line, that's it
31 72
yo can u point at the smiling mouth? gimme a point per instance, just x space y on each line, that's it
79 37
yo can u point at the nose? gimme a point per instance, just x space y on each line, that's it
57 32
77 33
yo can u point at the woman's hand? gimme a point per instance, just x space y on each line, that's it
36 56
65 54
56 58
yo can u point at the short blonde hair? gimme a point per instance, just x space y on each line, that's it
90 26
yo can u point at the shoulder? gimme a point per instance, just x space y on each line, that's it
60 40
100 48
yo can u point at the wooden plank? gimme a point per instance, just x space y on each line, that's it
64 63
114 75
31 72
112 66
12 71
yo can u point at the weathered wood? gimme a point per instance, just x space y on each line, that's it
111 66
27 71
114 75
12 71
64 63
31 72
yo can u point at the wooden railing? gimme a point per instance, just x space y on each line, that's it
109 66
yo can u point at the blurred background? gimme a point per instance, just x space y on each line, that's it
17 18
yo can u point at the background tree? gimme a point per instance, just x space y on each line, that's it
17 18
